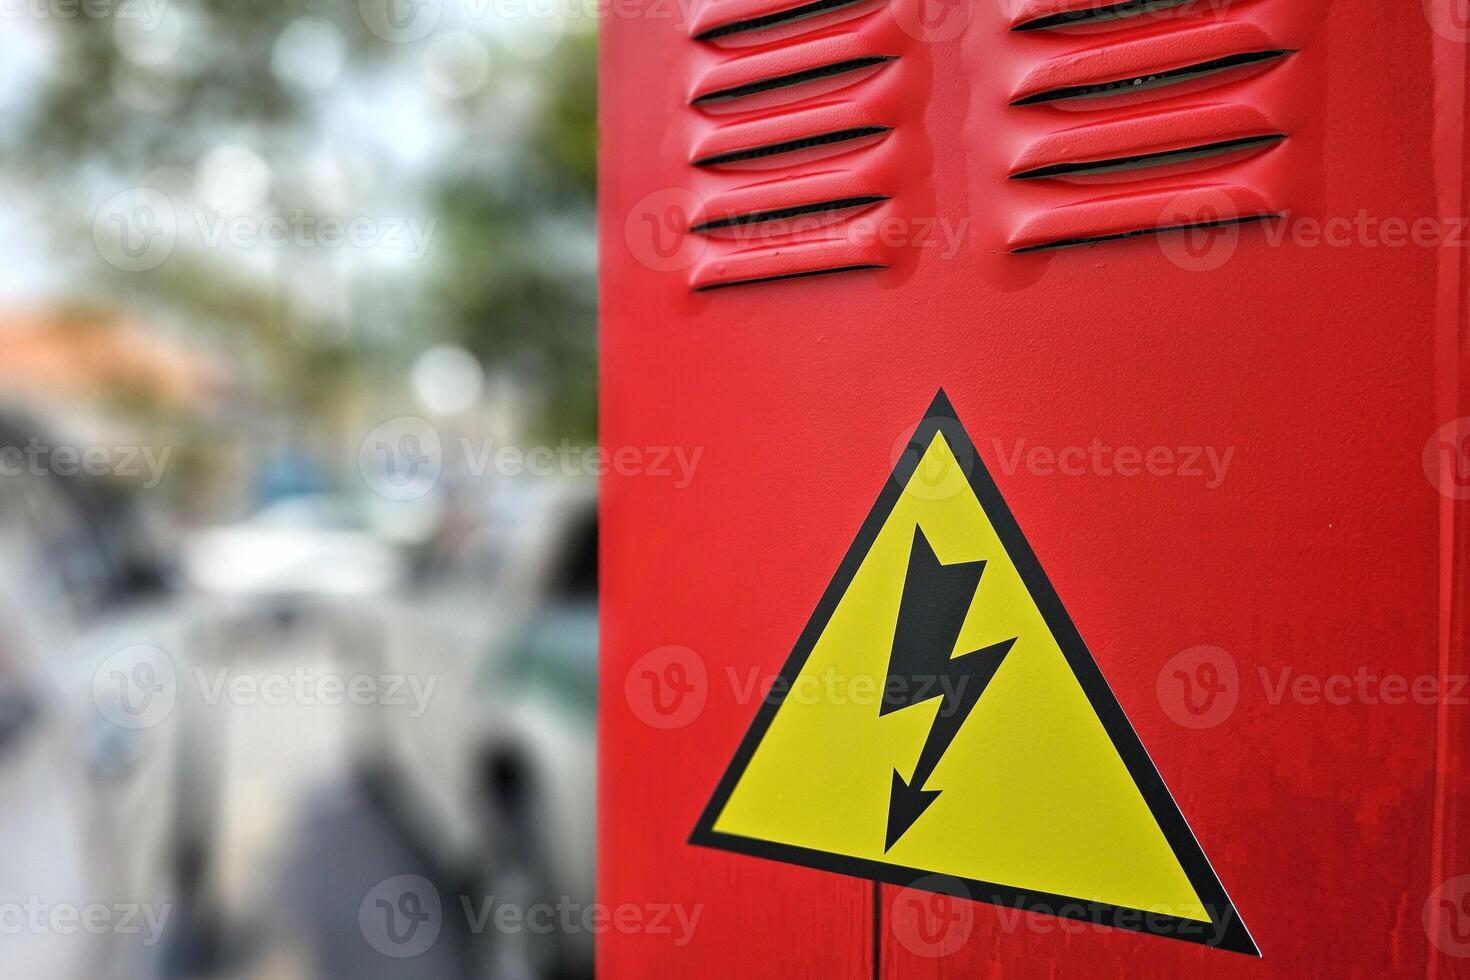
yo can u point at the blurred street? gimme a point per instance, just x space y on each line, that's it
298 537
305 841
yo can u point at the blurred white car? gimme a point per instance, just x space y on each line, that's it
106 804
313 545
495 777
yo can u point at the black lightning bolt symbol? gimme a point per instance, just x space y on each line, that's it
936 599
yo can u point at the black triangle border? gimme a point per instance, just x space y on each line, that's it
1226 931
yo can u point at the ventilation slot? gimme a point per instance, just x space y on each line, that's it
792 146
787 276
1173 76
775 20
795 78
785 214
794 141
1092 15
1159 159
1119 236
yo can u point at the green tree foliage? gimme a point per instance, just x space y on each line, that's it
511 271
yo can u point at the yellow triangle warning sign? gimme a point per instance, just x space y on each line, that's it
940 724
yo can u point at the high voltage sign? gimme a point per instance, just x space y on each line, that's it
993 759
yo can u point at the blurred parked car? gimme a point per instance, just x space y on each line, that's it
312 545
495 778
106 780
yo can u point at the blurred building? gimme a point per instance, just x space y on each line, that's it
73 359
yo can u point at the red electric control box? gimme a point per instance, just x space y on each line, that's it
1064 569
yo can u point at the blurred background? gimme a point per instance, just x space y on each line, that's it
297 488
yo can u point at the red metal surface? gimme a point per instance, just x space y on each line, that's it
1322 350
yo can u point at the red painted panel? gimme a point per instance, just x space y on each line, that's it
1315 355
